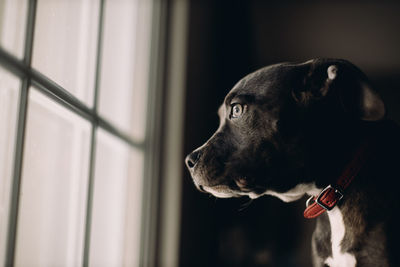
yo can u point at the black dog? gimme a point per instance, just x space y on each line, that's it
314 128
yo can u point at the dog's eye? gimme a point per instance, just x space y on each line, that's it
236 111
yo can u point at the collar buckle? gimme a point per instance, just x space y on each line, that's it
338 195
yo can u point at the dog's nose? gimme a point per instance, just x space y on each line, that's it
192 159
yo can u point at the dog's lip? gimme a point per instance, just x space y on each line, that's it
221 191
225 191
218 187
200 187
242 184
235 188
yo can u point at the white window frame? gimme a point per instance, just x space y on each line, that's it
161 215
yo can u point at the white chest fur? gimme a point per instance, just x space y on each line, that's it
338 259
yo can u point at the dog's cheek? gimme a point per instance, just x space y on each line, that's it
254 159
273 165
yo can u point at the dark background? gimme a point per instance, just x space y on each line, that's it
229 39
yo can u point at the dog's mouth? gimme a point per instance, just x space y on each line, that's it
223 191
220 191
242 184
295 193
239 188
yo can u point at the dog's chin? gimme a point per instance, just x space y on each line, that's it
220 191
295 193
223 191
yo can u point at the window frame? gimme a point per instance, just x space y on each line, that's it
151 146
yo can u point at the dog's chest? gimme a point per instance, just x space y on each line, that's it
338 258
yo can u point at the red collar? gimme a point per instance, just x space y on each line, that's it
333 193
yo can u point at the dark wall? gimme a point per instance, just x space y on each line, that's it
228 39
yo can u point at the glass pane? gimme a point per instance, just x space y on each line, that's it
116 214
9 92
65 44
54 186
124 75
13 15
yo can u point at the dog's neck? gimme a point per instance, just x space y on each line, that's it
329 197
327 159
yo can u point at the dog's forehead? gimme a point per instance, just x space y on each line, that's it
270 81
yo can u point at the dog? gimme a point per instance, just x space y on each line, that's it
315 128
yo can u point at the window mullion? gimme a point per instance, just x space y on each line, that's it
19 146
95 124
30 29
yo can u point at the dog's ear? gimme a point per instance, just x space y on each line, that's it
345 83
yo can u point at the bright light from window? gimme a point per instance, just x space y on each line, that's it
65 44
54 186
124 65
116 203
12 25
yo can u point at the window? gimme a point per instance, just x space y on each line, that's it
78 129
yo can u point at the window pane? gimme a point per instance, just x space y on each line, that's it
13 15
65 44
9 92
54 186
115 229
123 80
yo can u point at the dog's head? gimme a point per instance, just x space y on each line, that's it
278 122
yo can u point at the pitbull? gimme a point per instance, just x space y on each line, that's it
315 128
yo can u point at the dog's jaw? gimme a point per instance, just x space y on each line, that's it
292 195
295 193
220 191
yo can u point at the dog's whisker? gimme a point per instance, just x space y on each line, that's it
246 204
